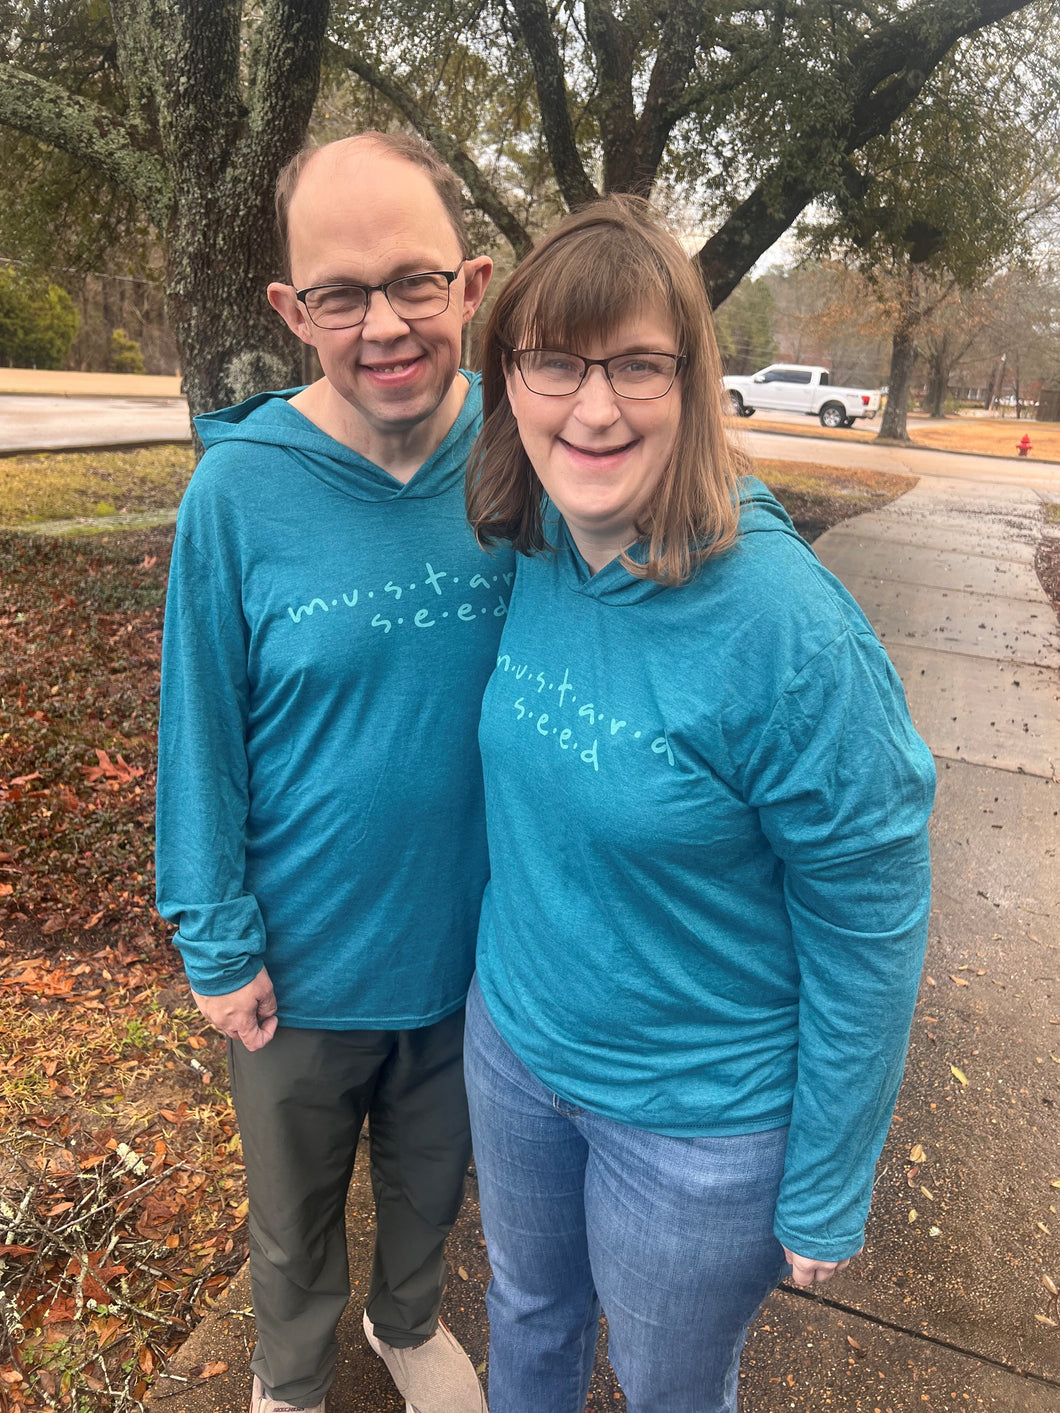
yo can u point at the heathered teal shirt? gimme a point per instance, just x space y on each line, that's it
329 631
707 814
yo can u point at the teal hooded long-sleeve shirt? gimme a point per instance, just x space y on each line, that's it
329 631
707 812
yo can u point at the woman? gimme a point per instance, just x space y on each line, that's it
707 810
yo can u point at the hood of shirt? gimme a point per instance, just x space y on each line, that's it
268 419
760 514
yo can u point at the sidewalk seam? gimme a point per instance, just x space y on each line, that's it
920 1335
973 657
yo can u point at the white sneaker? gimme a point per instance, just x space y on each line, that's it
260 1402
435 1377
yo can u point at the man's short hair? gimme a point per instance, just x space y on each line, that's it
394 144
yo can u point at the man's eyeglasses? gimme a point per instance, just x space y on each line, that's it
641 376
419 296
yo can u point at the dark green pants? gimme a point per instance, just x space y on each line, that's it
301 1103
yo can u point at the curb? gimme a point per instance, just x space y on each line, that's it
141 444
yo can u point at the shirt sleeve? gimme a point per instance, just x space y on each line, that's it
202 773
844 787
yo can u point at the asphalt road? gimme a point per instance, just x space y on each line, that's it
1041 476
44 423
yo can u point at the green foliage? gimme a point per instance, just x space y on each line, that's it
742 114
948 190
125 355
745 114
38 321
464 71
58 213
744 326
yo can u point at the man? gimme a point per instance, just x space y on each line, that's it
330 626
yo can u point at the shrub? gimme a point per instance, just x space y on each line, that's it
125 355
38 321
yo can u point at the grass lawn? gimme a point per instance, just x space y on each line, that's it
984 436
120 1183
58 486
995 436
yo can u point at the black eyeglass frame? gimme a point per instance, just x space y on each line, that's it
680 362
384 289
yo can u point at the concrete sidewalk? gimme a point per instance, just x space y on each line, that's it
943 1308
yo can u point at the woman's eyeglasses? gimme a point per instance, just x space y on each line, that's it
642 376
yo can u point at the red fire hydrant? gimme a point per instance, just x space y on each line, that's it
1025 444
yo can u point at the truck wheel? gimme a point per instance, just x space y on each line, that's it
735 404
832 414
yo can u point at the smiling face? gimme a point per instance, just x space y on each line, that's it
599 456
362 216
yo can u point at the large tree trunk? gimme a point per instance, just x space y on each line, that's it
215 104
938 381
220 260
224 138
903 359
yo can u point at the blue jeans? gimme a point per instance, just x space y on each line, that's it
672 1236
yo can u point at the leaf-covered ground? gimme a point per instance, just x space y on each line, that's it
120 1189
1047 560
818 497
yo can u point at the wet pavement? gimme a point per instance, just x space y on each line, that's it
946 1308
44 422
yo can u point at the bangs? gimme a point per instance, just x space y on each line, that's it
578 298
603 268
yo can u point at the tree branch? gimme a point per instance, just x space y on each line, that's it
675 58
613 104
535 25
483 192
98 138
887 71
286 75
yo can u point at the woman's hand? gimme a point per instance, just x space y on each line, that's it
805 1271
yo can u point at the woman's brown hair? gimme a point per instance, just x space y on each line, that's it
596 270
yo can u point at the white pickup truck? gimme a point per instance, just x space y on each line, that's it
795 387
